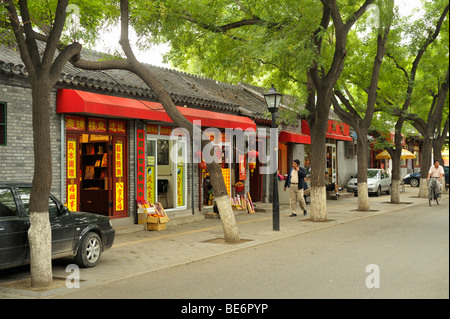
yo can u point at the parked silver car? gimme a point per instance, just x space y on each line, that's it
378 180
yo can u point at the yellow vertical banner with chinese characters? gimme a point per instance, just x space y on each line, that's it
226 178
119 196
71 159
119 159
180 190
72 197
151 179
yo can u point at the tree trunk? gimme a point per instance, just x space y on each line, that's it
395 191
222 200
363 194
318 161
39 233
425 164
395 182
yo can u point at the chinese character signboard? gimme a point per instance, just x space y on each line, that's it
180 191
119 159
151 179
226 178
140 157
97 125
119 196
71 159
75 123
116 126
72 197
165 130
152 129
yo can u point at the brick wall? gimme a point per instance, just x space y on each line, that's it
17 157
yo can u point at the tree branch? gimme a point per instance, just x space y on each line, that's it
55 33
420 53
18 33
61 60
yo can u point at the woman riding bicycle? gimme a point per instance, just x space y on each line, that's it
435 173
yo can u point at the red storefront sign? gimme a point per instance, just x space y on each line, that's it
97 125
75 123
335 130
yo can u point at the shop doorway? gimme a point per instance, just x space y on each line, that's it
97 174
331 162
166 172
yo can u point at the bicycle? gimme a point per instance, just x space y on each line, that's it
432 184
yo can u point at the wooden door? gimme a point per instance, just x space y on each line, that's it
256 183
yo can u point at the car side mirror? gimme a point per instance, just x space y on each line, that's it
63 210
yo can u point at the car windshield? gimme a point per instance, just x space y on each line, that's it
372 173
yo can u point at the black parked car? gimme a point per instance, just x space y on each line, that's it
82 235
414 178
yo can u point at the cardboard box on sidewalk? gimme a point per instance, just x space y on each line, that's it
157 223
143 213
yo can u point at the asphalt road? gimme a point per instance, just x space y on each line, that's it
403 254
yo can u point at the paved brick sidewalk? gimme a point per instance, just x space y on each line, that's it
142 251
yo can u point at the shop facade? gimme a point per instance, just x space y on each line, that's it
96 161
109 157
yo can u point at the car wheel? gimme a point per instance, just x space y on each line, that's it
414 182
89 252
388 192
379 191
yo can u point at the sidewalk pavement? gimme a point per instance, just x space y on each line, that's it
138 252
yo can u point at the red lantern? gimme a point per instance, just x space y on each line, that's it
239 187
252 160
202 164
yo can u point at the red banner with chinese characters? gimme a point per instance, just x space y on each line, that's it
152 129
75 123
116 126
165 130
140 157
97 125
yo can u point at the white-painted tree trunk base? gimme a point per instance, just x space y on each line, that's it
318 204
40 239
395 192
423 188
363 197
226 213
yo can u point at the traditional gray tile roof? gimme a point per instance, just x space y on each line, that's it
185 89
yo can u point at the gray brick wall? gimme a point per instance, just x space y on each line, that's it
17 157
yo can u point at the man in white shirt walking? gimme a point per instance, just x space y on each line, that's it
295 182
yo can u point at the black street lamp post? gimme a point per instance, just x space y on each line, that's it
273 99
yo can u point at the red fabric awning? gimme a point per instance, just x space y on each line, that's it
294 137
87 103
